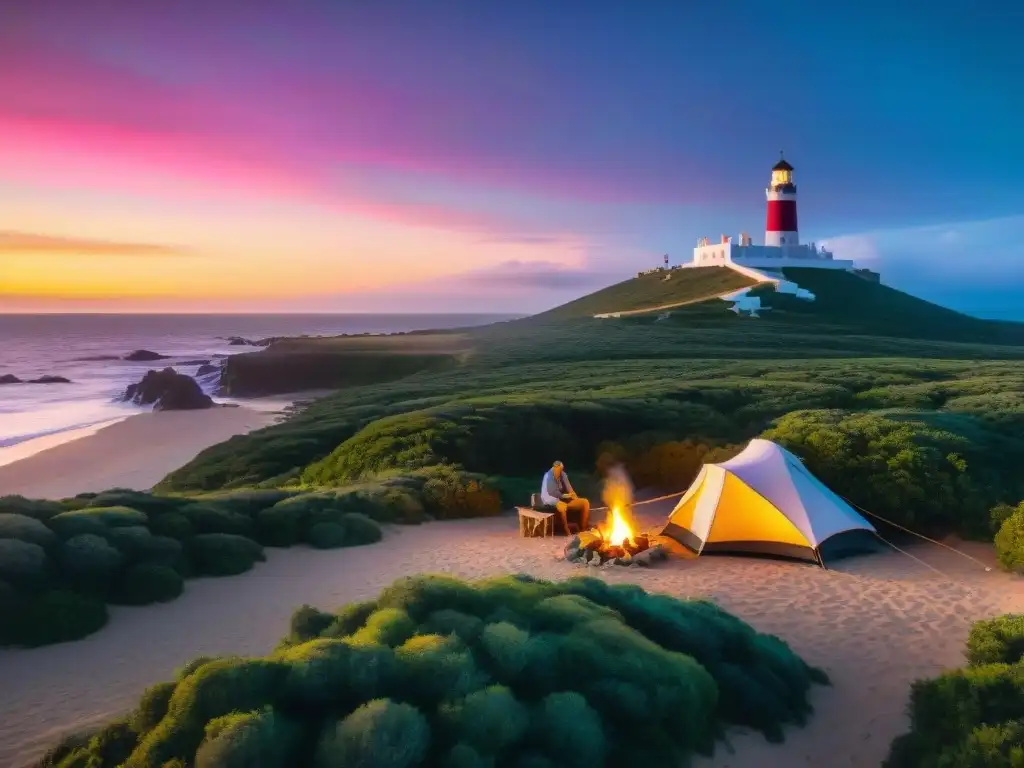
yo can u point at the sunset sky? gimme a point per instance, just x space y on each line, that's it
493 155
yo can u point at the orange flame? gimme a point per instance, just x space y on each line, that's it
617 530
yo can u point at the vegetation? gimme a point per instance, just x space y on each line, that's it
61 562
1010 537
506 671
925 431
653 290
971 717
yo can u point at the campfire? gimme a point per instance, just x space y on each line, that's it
615 542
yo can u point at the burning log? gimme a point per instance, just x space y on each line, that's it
615 542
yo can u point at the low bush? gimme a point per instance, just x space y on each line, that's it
148 583
224 554
506 671
361 530
1010 541
173 525
59 616
89 559
151 504
210 518
996 641
970 717
38 509
326 535
22 564
24 528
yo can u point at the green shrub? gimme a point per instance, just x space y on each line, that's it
129 540
327 535
38 509
1010 542
76 522
148 503
174 525
215 689
224 554
279 526
240 740
904 470
348 530
152 707
380 732
211 518
64 748
113 744
360 530
95 520
59 616
379 686
24 528
89 558
996 641
22 563
972 716
147 583
449 495
248 503
12 603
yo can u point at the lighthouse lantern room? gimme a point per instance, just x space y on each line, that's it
782 247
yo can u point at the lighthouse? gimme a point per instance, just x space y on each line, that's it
782 247
781 229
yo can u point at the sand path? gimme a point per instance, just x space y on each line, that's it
875 624
135 453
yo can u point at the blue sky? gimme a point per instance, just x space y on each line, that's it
363 155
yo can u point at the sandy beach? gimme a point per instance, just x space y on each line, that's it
875 623
135 453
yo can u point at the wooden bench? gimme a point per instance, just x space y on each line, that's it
532 520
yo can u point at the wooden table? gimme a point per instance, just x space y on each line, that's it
532 520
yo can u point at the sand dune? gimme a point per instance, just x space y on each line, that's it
874 623
135 453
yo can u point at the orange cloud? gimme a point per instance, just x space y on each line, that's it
30 242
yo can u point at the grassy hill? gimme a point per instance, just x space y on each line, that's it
847 303
652 290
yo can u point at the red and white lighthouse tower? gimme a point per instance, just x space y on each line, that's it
781 229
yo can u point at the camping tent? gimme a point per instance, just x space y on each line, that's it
765 501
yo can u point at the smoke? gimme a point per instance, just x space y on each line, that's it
618 492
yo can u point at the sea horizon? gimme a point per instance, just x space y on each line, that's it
88 348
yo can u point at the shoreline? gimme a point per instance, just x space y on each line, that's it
135 452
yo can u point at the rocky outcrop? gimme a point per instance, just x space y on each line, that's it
241 341
207 368
144 356
10 378
168 390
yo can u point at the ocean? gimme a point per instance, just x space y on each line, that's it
87 349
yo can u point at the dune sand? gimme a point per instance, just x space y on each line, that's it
875 623
135 453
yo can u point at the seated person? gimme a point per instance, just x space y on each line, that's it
556 492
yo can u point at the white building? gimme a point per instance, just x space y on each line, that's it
782 246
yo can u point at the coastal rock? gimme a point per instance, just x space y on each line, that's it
204 361
206 369
144 356
239 341
10 378
168 390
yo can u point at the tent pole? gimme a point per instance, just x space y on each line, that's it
821 562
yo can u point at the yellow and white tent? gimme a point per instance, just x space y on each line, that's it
765 501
